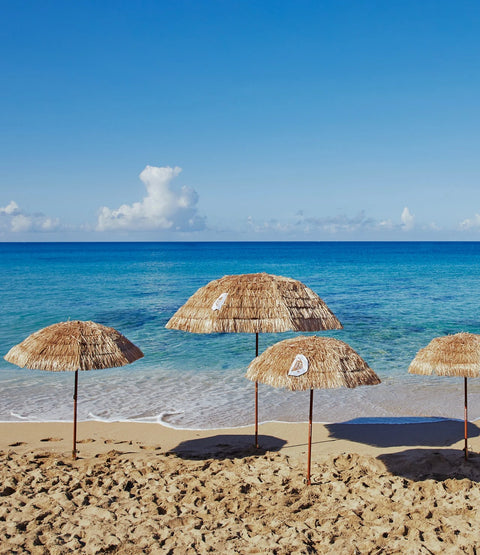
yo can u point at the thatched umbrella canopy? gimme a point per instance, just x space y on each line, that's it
451 355
311 363
73 346
254 303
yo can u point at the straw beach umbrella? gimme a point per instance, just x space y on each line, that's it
254 303
311 363
73 346
451 355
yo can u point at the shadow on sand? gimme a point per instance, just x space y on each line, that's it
399 432
431 464
226 447
416 464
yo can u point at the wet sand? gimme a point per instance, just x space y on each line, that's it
144 488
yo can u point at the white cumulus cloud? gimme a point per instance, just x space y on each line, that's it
408 219
163 207
10 209
471 223
14 219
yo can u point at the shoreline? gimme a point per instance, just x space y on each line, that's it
398 420
226 404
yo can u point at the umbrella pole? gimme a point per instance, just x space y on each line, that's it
74 452
256 397
466 420
310 439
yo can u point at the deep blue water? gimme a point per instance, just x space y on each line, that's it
392 299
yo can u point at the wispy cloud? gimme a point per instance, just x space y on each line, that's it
267 226
341 224
13 219
163 207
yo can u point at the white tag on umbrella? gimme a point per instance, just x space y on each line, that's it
217 305
299 366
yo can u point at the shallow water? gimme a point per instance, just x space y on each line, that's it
392 299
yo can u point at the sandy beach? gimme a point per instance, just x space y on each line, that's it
144 488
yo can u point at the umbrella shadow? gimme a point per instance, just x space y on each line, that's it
227 446
399 432
430 464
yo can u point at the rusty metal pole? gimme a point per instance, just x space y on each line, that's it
74 452
310 438
466 420
256 397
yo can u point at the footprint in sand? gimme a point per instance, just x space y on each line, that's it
17 444
114 442
52 439
88 440
150 447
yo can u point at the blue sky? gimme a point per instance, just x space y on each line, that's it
239 120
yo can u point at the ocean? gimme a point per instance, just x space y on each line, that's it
392 299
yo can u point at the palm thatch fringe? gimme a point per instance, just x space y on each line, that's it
74 346
254 303
450 355
331 364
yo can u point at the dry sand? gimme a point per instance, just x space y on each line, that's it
143 488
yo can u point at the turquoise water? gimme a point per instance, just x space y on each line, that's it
392 299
